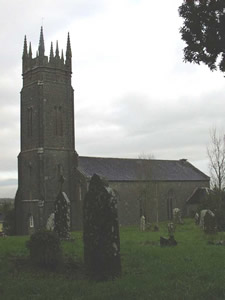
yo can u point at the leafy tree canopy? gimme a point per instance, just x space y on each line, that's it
203 31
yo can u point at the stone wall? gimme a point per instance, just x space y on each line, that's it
144 198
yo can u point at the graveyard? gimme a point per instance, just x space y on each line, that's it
194 269
73 231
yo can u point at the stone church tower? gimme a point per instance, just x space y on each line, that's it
47 161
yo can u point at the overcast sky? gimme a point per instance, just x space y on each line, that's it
133 92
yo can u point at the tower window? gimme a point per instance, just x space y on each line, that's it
31 221
58 128
80 193
30 121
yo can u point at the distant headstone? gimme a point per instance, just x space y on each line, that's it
50 225
101 231
202 217
142 223
171 229
197 218
177 216
167 242
156 228
148 226
209 223
62 216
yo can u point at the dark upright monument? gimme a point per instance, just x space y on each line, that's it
101 231
47 137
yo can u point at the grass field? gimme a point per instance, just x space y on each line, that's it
191 270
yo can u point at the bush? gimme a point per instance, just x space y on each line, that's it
220 219
9 223
45 249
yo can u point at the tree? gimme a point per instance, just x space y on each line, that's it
144 155
203 31
9 223
216 154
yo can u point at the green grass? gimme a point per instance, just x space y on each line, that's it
191 270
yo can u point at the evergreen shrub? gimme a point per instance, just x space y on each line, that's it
45 249
9 223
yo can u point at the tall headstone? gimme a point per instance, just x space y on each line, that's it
209 223
142 223
101 231
177 216
62 216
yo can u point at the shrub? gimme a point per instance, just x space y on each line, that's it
220 219
9 223
45 249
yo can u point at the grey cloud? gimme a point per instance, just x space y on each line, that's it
140 124
9 182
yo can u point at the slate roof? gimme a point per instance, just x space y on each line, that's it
198 195
124 169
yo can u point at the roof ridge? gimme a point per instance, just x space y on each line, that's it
129 158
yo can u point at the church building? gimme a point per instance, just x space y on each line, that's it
48 162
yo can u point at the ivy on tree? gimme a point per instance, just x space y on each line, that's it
203 31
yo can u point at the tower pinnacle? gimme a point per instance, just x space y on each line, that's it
25 47
57 50
30 51
68 54
41 48
68 49
51 57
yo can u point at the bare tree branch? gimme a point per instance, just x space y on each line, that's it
216 155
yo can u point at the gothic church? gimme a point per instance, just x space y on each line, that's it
48 162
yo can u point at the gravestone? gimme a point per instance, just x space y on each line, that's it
209 223
177 216
197 219
171 229
168 242
202 217
62 216
101 231
50 225
142 223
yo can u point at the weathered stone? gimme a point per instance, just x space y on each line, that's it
101 231
209 223
156 228
47 138
171 229
148 226
164 242
177 216
217 243
142 223
151 227
197 218
202 217
50 225
62 216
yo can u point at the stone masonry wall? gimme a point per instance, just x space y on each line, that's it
132 193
